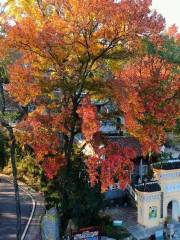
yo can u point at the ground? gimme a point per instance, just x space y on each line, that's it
7 210
129 217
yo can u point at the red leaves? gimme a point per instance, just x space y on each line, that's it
113 164
67 47
37 131
90 124
60 120
57 41
172 30
146 93
92 164
173 33
52 165
117 165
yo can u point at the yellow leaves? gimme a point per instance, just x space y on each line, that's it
22 87
75 33
72 38
18 9
40 110
52 105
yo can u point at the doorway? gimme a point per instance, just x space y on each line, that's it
173 210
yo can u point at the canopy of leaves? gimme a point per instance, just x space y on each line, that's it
65 49
147 91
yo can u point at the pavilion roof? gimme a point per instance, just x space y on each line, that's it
125 141
168 165
148 187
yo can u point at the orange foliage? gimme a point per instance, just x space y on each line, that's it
173 32
116 164
37 130
64 45
52 165
146 92
90 124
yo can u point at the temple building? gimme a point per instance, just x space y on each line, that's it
159 200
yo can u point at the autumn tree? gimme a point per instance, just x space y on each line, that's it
67 52
147 91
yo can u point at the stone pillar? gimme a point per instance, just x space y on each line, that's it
149 208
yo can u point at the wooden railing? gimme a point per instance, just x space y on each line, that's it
131 191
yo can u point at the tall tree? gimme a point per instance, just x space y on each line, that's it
63 46
64 53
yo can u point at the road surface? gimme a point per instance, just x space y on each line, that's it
8 211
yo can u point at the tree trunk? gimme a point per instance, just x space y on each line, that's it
2 98
16 188
68 151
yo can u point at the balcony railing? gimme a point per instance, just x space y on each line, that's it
131 191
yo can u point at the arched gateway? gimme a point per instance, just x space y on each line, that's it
160 199
173 209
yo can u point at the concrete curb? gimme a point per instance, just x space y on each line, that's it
31 216
32 229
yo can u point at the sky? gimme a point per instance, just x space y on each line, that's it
170 9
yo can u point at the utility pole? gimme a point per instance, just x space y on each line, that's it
9 128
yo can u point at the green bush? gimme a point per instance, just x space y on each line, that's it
4 150
114 232
27 171
73 196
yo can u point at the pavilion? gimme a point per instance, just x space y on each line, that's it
159 200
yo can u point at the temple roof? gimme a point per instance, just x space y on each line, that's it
149 187
130 142
168 165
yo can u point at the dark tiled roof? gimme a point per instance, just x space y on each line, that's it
130 142
169 165
149 187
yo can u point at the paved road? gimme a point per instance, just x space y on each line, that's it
7 210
